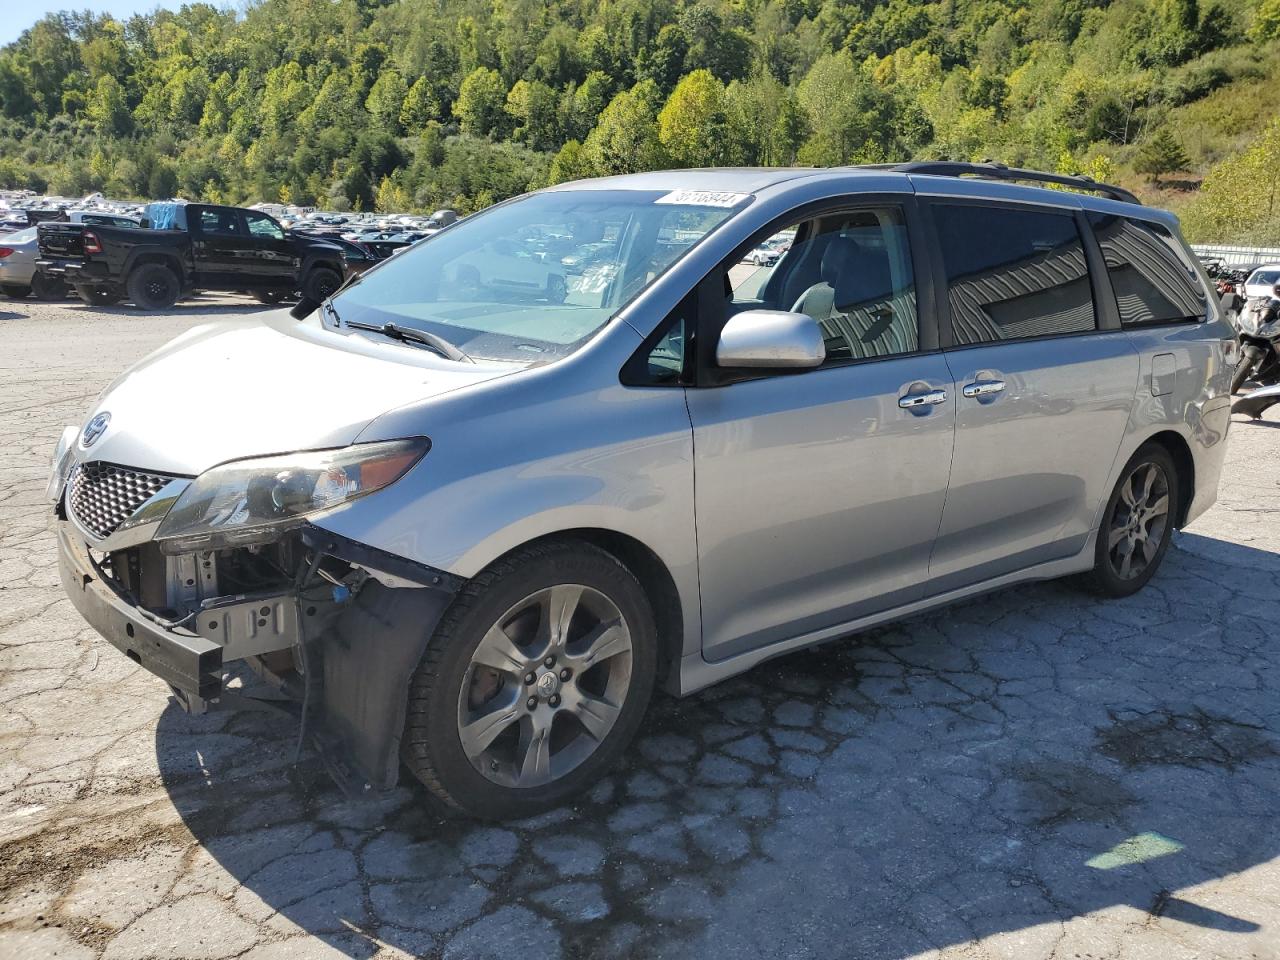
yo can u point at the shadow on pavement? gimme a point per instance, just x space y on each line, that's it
1000 766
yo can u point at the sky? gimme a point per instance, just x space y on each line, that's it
19 15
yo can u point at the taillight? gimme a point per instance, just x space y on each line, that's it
91 242
5 251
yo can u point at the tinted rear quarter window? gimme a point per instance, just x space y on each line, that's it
1153 280
1013 273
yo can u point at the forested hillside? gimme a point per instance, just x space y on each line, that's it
413 104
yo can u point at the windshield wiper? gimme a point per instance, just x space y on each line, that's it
422 338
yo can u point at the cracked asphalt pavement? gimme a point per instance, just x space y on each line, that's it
1037 773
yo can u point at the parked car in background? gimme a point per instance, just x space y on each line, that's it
765 255
98 218
188 246
18 276
356 256
1262 281
441 219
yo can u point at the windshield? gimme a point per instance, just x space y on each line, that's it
533 279
1269 277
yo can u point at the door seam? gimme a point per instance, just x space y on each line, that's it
946 495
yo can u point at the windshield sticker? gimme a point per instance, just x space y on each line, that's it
703 198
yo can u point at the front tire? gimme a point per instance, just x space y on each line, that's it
1137 524
534 682
153 286
1244 368
268 296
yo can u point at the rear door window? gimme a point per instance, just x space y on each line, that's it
1013 273
220 223
1153 280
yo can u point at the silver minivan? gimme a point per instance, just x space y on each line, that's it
473 509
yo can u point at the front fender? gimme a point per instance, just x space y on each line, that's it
618 460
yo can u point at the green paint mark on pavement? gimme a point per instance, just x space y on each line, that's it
1139 849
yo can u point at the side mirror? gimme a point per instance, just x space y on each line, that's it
771 338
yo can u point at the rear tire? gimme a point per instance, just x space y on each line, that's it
153 286
588 701
1137 524
48 288
320 284
15 291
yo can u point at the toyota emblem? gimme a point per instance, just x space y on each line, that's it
94 429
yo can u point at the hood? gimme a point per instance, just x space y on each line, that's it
249 388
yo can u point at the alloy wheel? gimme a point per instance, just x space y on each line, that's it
1138 521
545 686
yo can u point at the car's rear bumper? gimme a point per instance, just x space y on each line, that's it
16 273
190 664
75 271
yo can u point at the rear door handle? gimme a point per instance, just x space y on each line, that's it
983 388
931 398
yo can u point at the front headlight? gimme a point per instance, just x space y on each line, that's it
252 501
58 469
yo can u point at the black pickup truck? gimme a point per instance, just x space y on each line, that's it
188 246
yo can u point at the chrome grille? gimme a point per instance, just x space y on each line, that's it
102 495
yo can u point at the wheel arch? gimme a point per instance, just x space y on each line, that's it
1180 451
164 258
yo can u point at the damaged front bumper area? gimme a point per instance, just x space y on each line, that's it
335 625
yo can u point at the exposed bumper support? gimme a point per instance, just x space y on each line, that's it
366 650
190 664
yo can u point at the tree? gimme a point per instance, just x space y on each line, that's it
421 105
1160 155
694 127
162 182
581 106
332 107
570 164
107 108
481 102
532 104
790 130
391 197
626 138
1266 22
1239 201
851 119
712 46
386 100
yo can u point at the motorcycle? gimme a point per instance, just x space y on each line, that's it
1258 325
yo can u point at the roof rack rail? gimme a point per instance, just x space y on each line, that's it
998 171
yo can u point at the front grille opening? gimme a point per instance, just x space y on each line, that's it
103 495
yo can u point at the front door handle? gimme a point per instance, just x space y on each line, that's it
983 388
932 398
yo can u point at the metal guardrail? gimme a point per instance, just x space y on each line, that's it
1237 256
